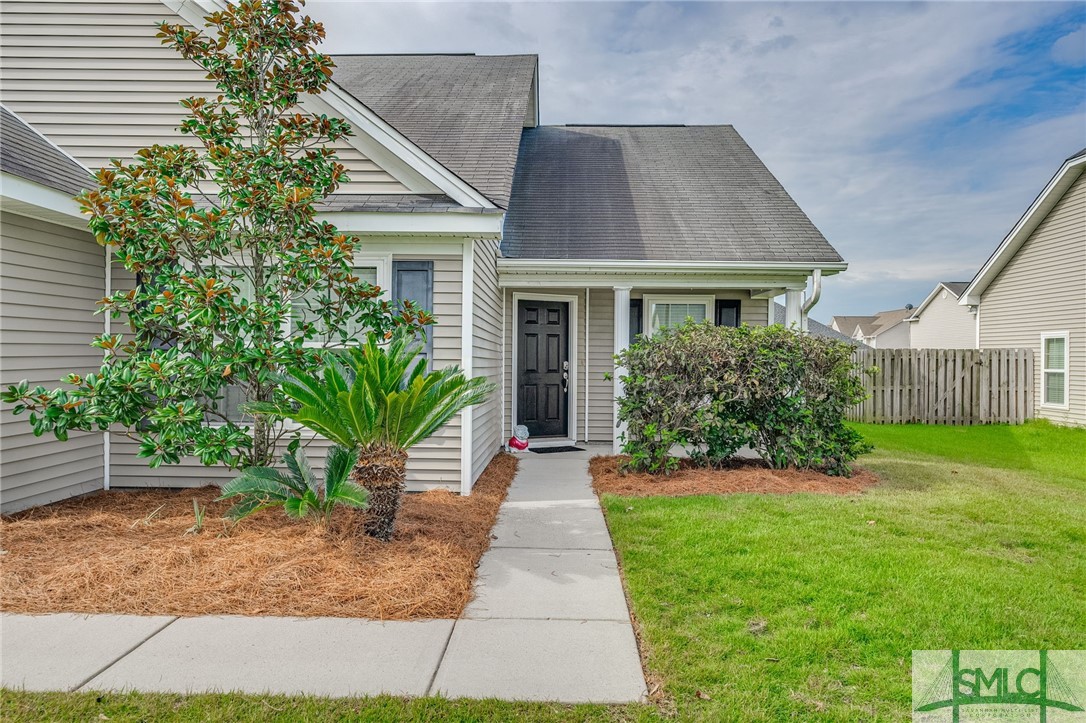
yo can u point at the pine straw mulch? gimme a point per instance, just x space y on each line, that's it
743 476
127 552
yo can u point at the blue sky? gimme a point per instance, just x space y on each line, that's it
913 134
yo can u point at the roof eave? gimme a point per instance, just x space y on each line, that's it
403 158
1026 225
664 265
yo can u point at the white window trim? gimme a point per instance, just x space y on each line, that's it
650 300
383 264
1066 336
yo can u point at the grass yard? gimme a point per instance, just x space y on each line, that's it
804 606
808 606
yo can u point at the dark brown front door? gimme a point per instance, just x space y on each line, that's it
543 367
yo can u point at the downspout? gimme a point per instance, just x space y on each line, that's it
816 293
106 327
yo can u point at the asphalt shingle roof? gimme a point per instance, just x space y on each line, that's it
815 327
467 111
849 323
652 192
956 287
27 154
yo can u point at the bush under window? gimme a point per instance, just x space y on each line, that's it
713 390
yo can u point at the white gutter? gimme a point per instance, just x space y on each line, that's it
597 265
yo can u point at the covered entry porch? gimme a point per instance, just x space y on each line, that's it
563 324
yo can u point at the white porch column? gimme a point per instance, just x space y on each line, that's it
793 299
622 340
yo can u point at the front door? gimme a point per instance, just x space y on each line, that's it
543 367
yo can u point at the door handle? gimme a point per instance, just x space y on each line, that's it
565 382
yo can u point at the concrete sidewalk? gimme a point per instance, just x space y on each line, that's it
549 622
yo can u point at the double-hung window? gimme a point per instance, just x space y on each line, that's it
662 311
1054 369
304 307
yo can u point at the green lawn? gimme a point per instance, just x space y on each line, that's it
19 706
809 606
804 607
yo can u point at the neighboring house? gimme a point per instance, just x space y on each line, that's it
814 327
940 322
540 249
1031 293
884 330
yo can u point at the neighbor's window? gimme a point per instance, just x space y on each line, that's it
664 311
1054 369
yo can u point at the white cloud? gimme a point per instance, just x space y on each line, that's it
1071 48
847 103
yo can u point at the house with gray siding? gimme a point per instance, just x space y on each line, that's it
541 250
1031 293
940 322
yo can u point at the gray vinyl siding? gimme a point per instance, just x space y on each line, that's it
94 79
1043 290
433 463
600 350
944 324
50 278
486 342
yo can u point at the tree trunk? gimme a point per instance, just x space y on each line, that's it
383 473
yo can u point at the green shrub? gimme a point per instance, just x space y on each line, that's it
713 390
298 490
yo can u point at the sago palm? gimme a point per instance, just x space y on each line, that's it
297 491
380 401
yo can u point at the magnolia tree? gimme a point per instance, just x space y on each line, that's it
235 277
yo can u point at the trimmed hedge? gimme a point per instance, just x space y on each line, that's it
712 390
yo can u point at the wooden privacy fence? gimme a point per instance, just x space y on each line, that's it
946 386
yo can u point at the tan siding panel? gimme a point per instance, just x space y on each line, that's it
37 470
486 355
120 86
1043 289
433 463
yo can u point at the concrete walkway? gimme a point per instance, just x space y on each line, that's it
549 622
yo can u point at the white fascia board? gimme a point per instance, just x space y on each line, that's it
22 196
1026 225
475 225
931 297
706 267
386 146
649 281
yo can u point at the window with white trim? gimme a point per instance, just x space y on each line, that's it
303 307
664 311
1054 369
372 270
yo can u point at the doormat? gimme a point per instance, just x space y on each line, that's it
551 450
